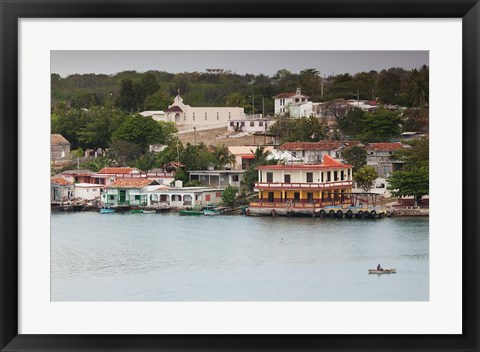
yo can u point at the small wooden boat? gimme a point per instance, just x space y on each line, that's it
384 271
190 212
149 211
212 212
136 211
107 210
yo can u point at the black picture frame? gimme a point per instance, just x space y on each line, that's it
11 11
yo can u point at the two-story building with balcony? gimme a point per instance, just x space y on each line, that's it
302 189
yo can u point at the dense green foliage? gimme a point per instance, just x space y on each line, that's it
365 177
355 156
132 91
229 195
413 180
305 129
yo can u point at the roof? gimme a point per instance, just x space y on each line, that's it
77 172
88 185
383 146
288 95
320 145
118 170
58 139
130 183
328 164
60 181
174 108
151 113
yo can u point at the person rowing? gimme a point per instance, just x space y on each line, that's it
379 267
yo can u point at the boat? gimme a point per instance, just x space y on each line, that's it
150 211
384 271
136 211
211 210
191 211
107 210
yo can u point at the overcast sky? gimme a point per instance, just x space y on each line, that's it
67 62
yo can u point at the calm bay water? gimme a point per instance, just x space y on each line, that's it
167 257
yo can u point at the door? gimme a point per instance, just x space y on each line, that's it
310 197
122 196
270 197
296 197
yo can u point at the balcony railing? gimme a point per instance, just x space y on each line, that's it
302 185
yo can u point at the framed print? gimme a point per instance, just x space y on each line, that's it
105 266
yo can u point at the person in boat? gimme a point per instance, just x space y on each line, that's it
379 267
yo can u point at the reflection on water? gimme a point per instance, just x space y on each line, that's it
166 257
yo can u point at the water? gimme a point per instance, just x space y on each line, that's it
167 257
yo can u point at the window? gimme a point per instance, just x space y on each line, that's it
207 197
205 116
252 124
321 173
243 124
342 175
269 176
137 197
232 124
193 117
303 153
329 176
260 123
235 178
218 116
287 178
335 175
270 197
229 115
111 197
184 117
309 176
218 194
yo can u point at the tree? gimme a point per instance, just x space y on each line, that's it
380 126
355 156
157 101
311 82
413 180
229 195
235 99
124 152
222 155
365 177
410 183
250 176
139 130
352 123
97 164
146 86
127 100
102 123
67 122
305 129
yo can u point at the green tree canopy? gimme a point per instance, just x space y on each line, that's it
141 131
127 100
410 183
157 101
365 177
229 195
102 123
355 156
305 129
125 153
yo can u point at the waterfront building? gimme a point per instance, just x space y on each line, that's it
81 176
245 155
184 197
217 178
379 156
305 186
87 191
61 190
127 192
313 152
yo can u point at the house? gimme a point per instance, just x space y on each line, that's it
284 100
81 176
59 148
61 190
127 192
244 155
184 197
250 123
217 178
365 105
108 175
379 156
303 186
88 191
313 152
189 117
301 109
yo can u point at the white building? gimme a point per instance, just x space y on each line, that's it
201 117
283 100
250 123
301 109
156 115
87 191
313 152
184 197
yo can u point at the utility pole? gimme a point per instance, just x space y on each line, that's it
195 135
263 106
358 98
253 104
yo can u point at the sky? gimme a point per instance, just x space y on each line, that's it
67 62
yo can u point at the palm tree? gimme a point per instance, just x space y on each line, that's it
223 155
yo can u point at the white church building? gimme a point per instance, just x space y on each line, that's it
188 117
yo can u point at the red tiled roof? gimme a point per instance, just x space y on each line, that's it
130 183
117 170
320 145
60 181
288 95
174 109
328 163
58 139
383 146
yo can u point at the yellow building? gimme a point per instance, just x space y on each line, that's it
303 186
